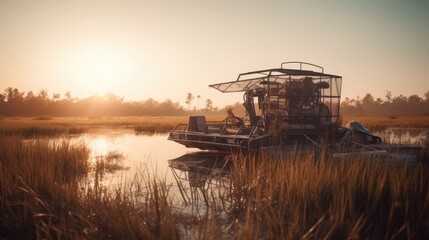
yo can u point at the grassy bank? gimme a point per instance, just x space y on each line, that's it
47 126
42 126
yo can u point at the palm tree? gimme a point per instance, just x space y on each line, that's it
198 102
209 104
189 99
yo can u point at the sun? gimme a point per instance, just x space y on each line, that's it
98 70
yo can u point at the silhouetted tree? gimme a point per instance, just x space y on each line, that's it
68 96
18 96
388 96
426 96
112 98
399 105
16 103
14 95
189 98
29 97
56 97
43 96
8 92
198 101
209 104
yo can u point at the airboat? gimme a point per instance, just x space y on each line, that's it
297 104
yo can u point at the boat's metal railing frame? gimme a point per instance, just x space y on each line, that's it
300 65
228 136
223 132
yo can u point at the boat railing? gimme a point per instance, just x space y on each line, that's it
259 141
300 64
218 128
223 122
181 128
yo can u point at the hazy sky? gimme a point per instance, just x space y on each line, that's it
165 49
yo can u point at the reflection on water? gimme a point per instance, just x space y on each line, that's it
192 176
137 153
99 146
201 176
152 152
200 168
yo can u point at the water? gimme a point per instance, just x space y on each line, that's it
190 173
152 152
137 152
188 176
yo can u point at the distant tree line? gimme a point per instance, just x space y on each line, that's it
16 103
399 105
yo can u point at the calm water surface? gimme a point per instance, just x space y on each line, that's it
187 180
152 152
144 152
195 172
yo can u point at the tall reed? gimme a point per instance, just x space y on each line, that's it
275 197
44 194
38 179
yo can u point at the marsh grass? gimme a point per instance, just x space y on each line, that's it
42 118
154 127
44 195
38 179
351 198
43 126
47 126
44 192
42 131
111 162
268 197
303 197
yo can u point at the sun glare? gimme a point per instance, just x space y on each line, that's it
100 146
101 70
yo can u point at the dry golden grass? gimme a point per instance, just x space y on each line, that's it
43 126
279 198
270 197
46 126
43 195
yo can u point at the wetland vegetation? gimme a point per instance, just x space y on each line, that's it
50 190
54 126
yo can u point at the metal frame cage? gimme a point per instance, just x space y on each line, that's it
290 99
